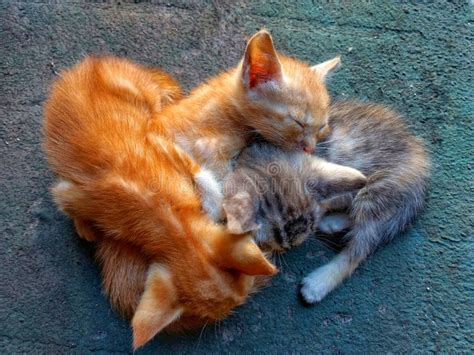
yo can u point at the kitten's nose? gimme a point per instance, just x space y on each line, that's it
308 148
309 144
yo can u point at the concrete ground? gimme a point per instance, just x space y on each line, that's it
414 295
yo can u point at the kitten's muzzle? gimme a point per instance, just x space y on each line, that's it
308 149
308 146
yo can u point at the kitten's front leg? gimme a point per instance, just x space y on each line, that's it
334 222
211 150
338 202
211 193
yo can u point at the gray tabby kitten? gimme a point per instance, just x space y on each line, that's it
374 140
279 194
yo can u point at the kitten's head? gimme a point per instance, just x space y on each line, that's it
288 228
284 100
202 281
288 210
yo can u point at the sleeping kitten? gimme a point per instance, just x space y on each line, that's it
367 137
281 98
278 194
373 139
138 196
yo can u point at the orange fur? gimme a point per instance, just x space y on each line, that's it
140 191
281 98
124 153
124 270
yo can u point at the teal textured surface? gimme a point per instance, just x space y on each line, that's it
414 295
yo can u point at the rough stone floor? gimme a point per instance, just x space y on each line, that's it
414 295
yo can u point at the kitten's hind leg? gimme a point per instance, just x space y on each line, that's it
334 223
326 278
362 241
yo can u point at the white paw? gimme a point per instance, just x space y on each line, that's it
326 278
211 194
334 222
316 285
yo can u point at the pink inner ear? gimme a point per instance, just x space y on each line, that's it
263 69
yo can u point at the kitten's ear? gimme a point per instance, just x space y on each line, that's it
157 307
323 69
239 252
330 179
260 64
240 213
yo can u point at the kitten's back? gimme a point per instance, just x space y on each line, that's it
375 139
371 137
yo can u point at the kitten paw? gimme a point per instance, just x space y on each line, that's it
316 285
334 223
326 278
311 294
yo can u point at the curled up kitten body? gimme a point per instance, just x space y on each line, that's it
136 172
375 140
369 139
137 197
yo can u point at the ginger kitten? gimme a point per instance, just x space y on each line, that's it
122 187
281 98
269 94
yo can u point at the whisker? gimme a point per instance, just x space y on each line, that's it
326 143
200 335
326 243
279 261
286 264
217 329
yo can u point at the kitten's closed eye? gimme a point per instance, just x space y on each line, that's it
298 122
324 131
